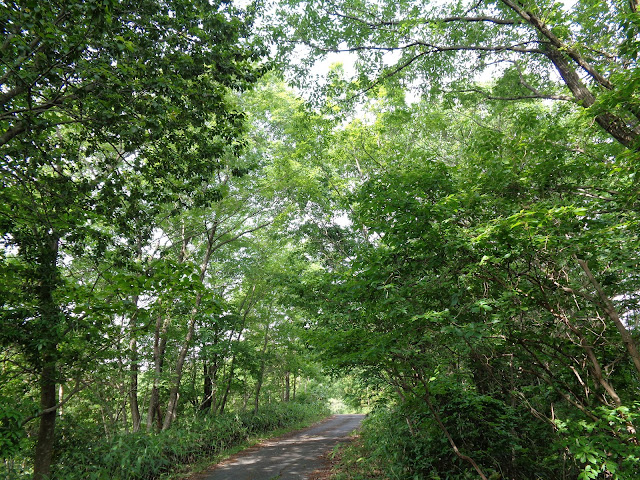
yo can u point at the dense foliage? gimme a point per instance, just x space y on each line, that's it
449 225
488 277
134 229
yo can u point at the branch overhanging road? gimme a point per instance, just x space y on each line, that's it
290 458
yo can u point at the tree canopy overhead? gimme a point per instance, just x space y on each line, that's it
183 235
584 52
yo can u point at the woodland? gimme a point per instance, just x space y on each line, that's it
222 219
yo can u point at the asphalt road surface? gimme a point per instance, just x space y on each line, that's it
290 458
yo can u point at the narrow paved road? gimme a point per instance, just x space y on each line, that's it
291 458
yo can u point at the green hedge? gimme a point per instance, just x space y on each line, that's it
143 456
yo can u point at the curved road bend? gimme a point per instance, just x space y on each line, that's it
292 458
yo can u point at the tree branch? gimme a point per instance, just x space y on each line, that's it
612 124
12 133
446 433
497 21
542 96
611 312
395 23
518 47
78 388
541 27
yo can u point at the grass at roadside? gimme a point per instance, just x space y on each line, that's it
349 461
190 444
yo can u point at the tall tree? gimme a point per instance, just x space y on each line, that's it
108 109
585 52
477 226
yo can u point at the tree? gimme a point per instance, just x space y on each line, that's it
109 109
585 53
415 292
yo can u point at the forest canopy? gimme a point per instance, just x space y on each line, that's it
199 216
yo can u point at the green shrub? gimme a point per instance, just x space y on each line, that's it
606 447
404 442
87 455
407 443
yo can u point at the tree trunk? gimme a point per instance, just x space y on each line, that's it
245 394
287 386
133 355
159 347
207 387
263 362
133 386
611 123
49 313
295 381
246 305
172 404
223 402
46 430
210 374
561 54
256 399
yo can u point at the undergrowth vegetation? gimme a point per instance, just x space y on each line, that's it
85 454
405 442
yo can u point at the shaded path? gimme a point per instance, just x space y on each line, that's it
292 458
